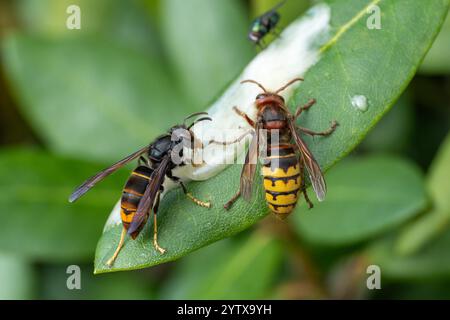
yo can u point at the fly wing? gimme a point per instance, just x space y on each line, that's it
148 199
314 171
88 184
267 14
251 161
279 5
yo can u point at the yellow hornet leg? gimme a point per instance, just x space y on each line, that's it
198 202
155 236
119 247
194 199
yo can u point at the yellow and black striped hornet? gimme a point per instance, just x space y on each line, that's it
282 170
142 191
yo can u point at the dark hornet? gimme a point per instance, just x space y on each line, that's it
264 24
142 191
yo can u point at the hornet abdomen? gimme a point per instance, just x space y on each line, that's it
282 179
132 194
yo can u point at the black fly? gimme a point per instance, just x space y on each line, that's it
264 24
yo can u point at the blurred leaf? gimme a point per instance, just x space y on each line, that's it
432 261
421 231
128 24
17 278
434 222
89 98
106 287
227 270
38 222
437 60
48 17
367 197
419 290
393 132
439 178
152 8
207 44
349 66
119 21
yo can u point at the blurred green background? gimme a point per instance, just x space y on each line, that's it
73 101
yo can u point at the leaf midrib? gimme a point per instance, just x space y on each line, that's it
342 30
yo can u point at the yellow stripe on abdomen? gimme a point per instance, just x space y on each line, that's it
281 212
282 199
277 184
279 172
127 216
282 186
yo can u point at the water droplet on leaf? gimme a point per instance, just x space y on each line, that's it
360 103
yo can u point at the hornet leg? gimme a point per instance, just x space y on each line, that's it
226 143
245 116
230 202
155 227
188 194
300 109
333 127
110 262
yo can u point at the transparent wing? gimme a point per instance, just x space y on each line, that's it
148 199
275 8
313 168
251 161
89 183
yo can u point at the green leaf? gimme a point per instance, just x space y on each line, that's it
17 278
227 270
418 233
421 249
393 133
89 98
439 178
38 221
354 61
367 196
414 236
207 44
121 22
437 62
432 261
130 286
